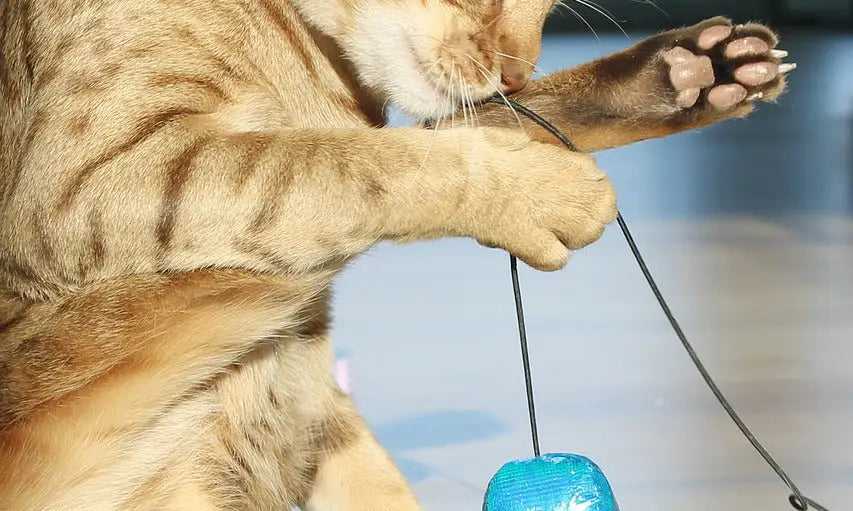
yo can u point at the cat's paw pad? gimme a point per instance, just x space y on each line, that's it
722 66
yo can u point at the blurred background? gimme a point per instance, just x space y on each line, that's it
748 225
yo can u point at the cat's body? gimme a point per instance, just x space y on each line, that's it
181 181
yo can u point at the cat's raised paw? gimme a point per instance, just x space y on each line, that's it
721 66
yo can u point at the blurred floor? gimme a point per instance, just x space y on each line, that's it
748 227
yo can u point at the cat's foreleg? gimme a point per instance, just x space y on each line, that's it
675 81
303 200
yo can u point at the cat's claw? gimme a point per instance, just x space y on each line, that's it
723 66
787 68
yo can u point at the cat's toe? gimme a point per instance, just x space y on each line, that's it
713 36
726 97
688 97
756 73
750 57
746 47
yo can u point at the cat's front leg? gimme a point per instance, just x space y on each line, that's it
305 200
675 81
358 187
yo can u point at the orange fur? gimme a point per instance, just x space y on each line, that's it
181 181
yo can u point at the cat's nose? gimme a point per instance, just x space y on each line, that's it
513 78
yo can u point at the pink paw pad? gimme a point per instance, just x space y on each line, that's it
678 55
690 73
688 97
726 96
713 36
746 47
698 72
757 73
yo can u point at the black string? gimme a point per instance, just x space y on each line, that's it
525 356
797 499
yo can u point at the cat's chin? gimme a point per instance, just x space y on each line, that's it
411 90
421 99
423 107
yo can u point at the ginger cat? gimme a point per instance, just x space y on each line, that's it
181 181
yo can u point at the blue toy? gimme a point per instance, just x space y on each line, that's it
551 482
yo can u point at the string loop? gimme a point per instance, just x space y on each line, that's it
797 500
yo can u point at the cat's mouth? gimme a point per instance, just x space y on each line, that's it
423 63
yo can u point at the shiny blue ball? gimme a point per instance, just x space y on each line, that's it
551 482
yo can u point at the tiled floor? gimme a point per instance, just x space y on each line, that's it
748 227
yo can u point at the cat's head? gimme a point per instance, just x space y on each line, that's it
428 56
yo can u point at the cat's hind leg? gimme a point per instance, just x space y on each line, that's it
350 470
354 473
104 398
288 435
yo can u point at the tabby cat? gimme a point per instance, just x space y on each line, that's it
182 180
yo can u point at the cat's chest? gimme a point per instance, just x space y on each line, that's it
307 83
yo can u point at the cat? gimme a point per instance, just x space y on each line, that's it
182 181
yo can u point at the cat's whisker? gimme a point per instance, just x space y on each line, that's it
452 97
468 100
536 69
463 100
513 57
431 68
592 4
428 151
447 90
600 10
474 109
653 4
485 73
562 3
448 93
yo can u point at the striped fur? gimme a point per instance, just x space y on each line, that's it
179 184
